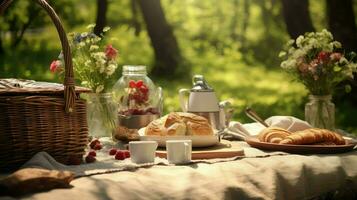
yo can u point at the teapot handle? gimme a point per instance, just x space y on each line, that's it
160 103
183 100
225 113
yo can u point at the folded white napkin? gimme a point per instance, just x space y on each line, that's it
289 123
104 164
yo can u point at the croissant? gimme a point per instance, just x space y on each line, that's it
273 134
313 136
325 143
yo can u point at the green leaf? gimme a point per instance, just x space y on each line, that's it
337 68
348 88
105 29
282 53
90 26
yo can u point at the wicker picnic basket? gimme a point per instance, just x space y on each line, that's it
40 116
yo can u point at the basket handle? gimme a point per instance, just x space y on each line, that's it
69 84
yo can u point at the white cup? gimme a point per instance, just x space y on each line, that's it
179 151
142 151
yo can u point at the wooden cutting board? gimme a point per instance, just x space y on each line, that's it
224 149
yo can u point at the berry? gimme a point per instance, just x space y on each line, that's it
144 89
136 96
92 153
98 146
151 110
120 155
132 84
136 112
145 98
139 83
90 159
127 153
94 143
113 151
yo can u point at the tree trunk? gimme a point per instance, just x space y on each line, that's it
167 53
234 21
1 45
101 21
341 20
135 21
245 20
297 17
266 16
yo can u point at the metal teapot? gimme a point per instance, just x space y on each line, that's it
202 100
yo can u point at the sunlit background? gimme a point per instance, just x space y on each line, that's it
233 43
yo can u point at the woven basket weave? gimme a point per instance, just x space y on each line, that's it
39 116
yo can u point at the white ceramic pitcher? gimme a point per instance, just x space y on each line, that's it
202 100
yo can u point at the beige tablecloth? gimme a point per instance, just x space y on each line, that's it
274 177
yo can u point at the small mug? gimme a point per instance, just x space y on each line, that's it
142 151
179 151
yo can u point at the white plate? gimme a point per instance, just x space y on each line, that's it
197 140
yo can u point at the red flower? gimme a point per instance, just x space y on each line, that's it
139 83
132 84
144 89
55 66
323 56
110 52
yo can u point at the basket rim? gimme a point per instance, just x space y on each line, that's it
21 86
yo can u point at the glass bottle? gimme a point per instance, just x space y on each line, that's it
135 92
320 112
139 100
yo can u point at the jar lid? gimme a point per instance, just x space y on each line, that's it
134 69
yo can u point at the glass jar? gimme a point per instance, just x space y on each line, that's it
139 100
320 112
101 114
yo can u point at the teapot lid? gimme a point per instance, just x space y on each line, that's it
200 84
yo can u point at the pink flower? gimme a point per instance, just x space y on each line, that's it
110 52
314 63
335 56
55 66
303 68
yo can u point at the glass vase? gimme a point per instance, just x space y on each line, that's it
320 112
101 114
139 102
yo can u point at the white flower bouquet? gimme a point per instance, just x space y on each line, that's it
94 64
316 60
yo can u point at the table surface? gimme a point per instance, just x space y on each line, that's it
275 177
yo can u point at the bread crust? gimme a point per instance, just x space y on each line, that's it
179 123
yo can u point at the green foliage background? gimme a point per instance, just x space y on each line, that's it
241 64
